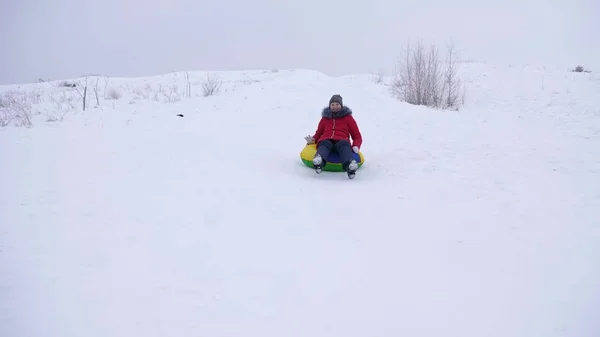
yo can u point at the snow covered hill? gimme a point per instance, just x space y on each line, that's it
128 220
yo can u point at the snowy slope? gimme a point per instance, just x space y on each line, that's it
126 220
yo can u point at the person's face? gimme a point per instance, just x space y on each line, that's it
335 106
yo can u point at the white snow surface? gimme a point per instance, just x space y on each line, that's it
126 220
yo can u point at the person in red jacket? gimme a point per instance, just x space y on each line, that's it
333 134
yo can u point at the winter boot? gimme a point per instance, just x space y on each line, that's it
318 163
352 167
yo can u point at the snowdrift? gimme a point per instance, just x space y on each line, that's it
127 220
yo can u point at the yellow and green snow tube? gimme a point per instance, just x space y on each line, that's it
333 163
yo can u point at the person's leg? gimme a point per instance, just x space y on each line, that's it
344 149
323 150
345 152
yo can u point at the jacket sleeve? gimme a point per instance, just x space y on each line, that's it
319 131
355 132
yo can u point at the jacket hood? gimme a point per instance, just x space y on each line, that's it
327 113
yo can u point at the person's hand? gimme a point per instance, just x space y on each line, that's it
356 149
309 139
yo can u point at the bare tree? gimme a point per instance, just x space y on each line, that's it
84 93
423 79
96 92
106 79
432 95
188 86
451 80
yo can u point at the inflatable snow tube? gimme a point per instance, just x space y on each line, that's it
333 163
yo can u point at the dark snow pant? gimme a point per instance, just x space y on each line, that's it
342 147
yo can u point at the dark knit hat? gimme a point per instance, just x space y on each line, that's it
337 99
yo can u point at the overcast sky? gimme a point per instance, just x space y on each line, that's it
56 39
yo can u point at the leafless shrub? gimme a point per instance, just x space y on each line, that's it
247 80
64 103
144 93
6 114
211 86
67 84
5 117
23 115
580 69
35 96
113 93
424 79
378 77
59 115
52 119
15 108
172 95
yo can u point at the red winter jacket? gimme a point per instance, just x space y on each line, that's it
339 126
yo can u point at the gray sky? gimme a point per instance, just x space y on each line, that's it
56 39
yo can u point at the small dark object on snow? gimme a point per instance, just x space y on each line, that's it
180 115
